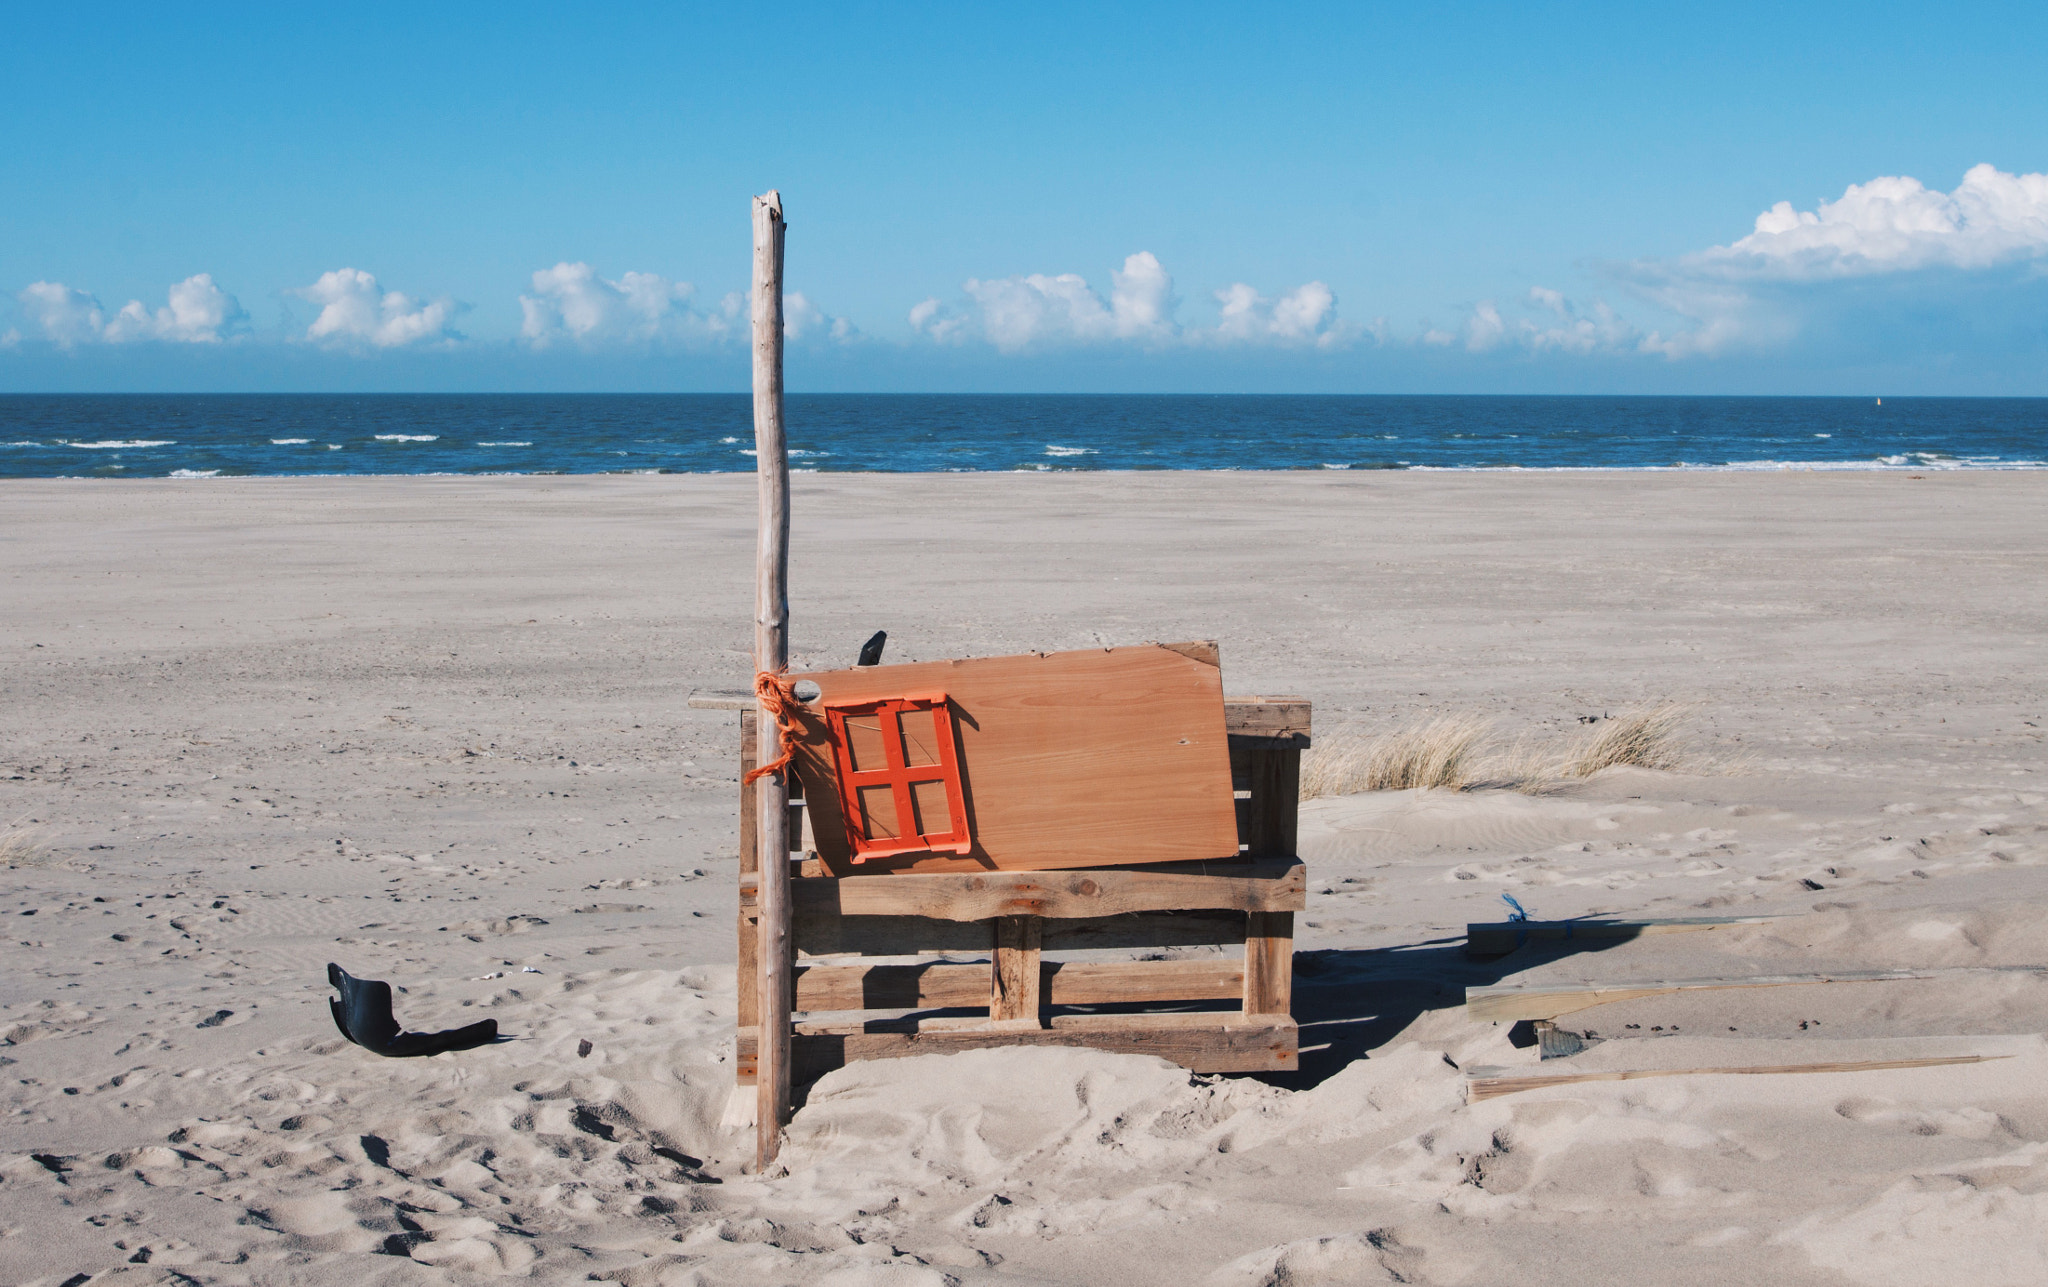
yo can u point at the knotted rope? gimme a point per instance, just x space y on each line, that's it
777 695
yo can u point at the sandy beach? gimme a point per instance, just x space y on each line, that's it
437 730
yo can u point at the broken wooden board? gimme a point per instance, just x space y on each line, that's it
1498 938
1107 757
1488 1083
1515 1001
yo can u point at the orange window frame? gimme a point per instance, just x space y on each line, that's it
899 775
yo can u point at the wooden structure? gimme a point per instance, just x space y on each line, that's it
983 935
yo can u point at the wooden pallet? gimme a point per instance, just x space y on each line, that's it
1008 920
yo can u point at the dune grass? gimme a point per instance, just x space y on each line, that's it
23 847
1457 753
1646 738
1437 753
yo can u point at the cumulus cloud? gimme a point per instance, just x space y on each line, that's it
1895 223
1759 290
1305 315
355 311
1552 324
198 312
1040 311
801 319
570 302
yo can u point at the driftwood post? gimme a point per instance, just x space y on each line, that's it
771 654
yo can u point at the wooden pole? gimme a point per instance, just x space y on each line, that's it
771 654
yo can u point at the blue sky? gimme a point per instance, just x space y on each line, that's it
1481 198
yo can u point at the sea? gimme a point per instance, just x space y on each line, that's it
206 435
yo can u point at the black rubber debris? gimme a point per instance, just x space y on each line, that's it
363 1013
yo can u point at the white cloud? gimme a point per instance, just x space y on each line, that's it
1759 290
1015 313
1305 315
1895 223
355 311
571 302
199 312
1039 311
1556 325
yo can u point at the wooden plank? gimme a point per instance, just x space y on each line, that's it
1270 825
1509 1002
1270 723
939 985
1013 976
1269 962
1121 982
1098 758
1199 1042
1490 1083
721 699
1498 938
1268 885
829 934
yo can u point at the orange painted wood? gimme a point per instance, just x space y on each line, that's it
1105 757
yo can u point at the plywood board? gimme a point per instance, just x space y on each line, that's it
1105 757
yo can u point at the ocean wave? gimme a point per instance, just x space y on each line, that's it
408 437
195 473
504 444
118 444
1054 449
289 442
20 444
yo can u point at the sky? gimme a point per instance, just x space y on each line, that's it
1726 198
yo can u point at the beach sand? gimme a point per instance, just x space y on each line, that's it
436 729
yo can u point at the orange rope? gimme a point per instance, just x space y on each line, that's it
777 695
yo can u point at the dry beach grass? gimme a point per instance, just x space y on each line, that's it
1463 752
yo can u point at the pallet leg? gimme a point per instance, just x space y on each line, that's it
1269 963
1014 972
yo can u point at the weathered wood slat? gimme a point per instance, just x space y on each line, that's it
941 985
1013 977
1268 962
1271 723
1199 1042
1490 1083
1507 1002
1269 885
1497 938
